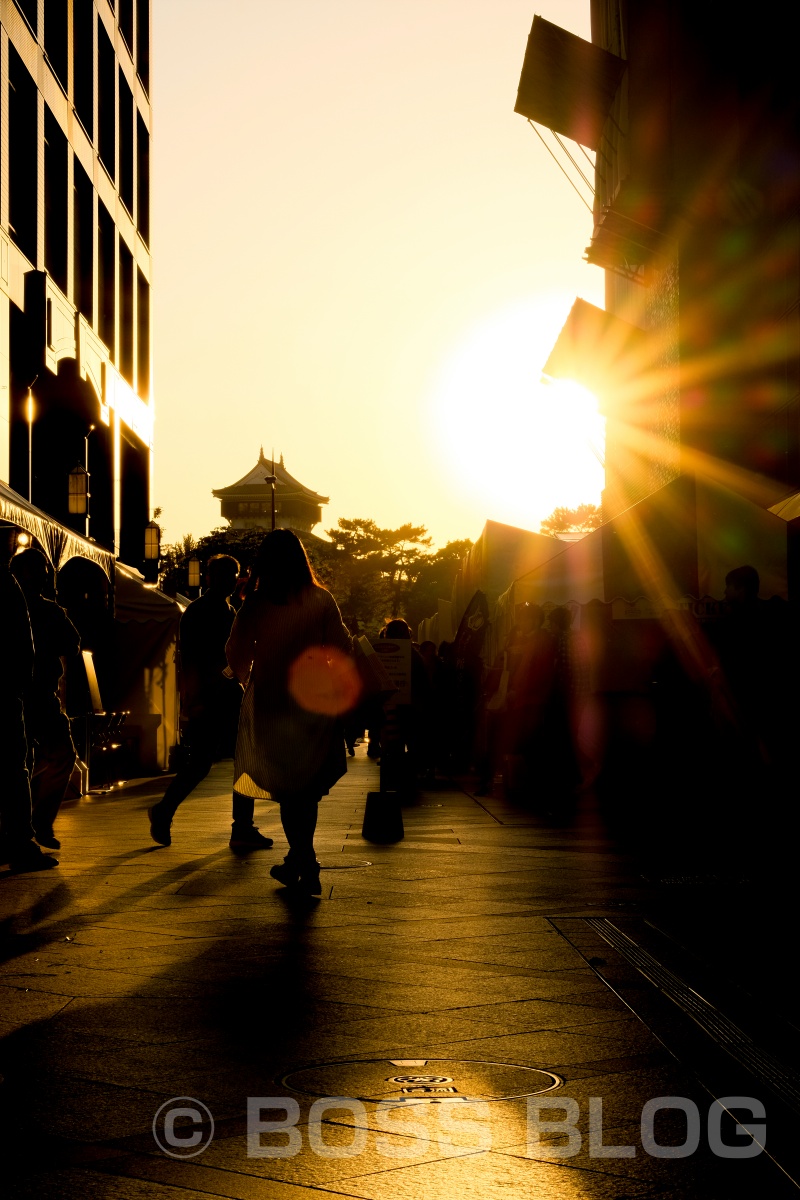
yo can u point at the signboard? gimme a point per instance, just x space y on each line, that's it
640 609
395 655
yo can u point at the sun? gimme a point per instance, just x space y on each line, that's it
519 444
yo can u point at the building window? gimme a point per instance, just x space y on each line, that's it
56 38
106 284
253 508
125 143
83 63
143 338
56 200
106 101
30 11
83 241
142 178
125 312
126 22
23 164
143 42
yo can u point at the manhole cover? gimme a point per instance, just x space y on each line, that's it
421 1080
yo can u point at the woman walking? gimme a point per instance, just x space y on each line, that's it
290 648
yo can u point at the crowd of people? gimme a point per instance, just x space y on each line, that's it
273 683
38 752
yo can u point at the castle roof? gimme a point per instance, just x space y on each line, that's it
252 487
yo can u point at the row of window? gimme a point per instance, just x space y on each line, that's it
23 182
119 281
118 278
118 117
133 19
255 508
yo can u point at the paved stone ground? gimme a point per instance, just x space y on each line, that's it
134 975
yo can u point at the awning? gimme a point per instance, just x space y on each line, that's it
683 539
598 350
680 541
733 531
135 601
58 543
573 575
501 552
567 84
621 243
787 509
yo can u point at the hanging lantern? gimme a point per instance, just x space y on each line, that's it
194 573
79 491
152 542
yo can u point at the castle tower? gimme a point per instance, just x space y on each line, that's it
247 504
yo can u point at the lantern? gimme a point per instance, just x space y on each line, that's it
152 542
79 491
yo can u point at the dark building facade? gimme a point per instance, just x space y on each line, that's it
693 118
75 262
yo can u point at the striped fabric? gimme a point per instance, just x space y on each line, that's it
281 746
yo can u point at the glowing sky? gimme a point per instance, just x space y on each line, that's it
362 257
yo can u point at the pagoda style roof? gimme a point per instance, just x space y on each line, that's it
252 487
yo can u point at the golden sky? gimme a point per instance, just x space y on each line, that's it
362 257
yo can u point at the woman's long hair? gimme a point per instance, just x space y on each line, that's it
281 570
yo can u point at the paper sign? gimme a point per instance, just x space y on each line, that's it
395 655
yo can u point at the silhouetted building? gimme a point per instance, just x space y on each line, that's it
247 504
75 262
696 358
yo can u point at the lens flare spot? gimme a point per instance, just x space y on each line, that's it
324 680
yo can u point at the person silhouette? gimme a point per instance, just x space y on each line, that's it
210 700
17 845
287 640
48 731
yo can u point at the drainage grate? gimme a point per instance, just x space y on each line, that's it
763 1065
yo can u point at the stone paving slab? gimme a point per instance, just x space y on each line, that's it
135 974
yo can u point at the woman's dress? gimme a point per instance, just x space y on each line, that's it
283 747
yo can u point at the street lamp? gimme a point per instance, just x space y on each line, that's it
272 480
29 415
87 435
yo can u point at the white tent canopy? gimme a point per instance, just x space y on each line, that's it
58 543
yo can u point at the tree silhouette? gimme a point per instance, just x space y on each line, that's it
573 520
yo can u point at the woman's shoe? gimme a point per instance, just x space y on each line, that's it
304 880
247 837
285 873
159 826
46 837
309 882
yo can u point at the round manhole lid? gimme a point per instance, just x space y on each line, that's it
422 1081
